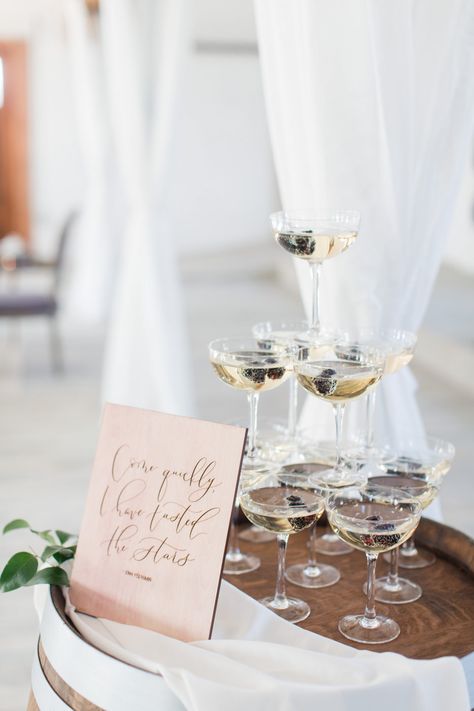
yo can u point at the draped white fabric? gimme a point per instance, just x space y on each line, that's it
146 360
255 660
370 106
91 266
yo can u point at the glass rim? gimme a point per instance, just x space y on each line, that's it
309 214
280 325
357 481
377 367
351 493
408 338
300 331
276 509
427 443
427 485
247 343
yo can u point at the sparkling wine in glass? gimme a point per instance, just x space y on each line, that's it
284 510
288 444
427 458
314 236
338 380
398 348
372 519
329 543
244 365
311 574
391 588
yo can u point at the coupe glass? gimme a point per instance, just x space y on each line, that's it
391 588
310 574
315 235
329 543
372 519
244 365
284 510
398 348
338 379
428 458
292 334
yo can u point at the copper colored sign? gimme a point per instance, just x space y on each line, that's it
154 532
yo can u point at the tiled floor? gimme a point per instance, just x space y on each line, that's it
48 428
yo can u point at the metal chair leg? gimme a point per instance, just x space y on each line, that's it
56 346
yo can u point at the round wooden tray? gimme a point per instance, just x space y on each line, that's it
440 623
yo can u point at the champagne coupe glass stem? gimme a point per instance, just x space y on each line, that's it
233 550
339 416
369 614
370 405
315 274
393 574
312 547
293 406
252 443
280 600
409 547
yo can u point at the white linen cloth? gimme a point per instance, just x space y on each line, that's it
370 105
257 661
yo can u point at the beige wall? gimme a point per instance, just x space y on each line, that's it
54 157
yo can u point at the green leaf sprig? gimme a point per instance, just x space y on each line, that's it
22 568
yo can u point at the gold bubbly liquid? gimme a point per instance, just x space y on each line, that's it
282 509
395 356
315 246
397 360
431 470
416 487
248 370
337 380
372 527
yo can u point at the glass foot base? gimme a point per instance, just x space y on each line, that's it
255 470
372 456
403 592
281 448
420 559
313 576
330 480
372 469
377 631
295 610
254 534
239 563
330 544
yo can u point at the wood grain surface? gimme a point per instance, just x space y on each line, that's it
160 497
66 693
440 623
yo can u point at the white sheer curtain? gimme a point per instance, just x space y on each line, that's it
370 106
146 360
89 285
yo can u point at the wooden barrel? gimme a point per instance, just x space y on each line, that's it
69 673
440 623
51 689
